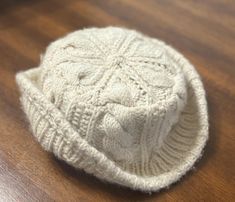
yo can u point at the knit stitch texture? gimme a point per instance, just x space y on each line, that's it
120 105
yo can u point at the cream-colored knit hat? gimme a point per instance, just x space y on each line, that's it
122 106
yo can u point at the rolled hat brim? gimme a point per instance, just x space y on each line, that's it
180 150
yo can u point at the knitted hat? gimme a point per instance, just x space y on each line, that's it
120 105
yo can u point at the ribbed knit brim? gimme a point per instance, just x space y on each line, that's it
182 147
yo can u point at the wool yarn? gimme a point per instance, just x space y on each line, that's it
120 105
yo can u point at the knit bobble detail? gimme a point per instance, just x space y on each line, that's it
121 72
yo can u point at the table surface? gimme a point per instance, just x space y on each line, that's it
203 30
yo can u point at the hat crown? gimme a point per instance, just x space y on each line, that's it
118 88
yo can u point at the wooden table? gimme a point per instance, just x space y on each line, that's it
203 30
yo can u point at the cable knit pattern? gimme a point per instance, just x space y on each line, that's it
118 104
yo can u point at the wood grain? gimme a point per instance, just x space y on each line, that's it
203 30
